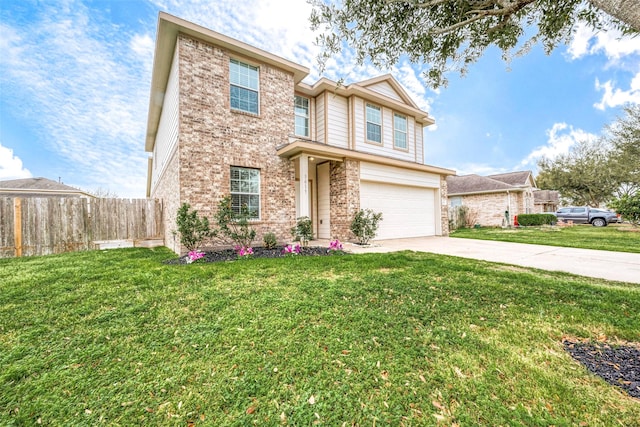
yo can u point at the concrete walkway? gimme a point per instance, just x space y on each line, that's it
620 266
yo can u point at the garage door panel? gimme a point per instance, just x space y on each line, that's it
406 211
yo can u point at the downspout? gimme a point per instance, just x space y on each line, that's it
509 209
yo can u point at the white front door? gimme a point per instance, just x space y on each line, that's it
324 202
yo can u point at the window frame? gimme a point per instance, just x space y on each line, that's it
307 124
404 132
244 87
377 108
236 208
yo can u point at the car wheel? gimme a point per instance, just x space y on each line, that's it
599 222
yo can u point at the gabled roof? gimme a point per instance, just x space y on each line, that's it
377 82
40 187
470 184
367 90
515 178
476 184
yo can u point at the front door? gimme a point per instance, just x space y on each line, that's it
324 209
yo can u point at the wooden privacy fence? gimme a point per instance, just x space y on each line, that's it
50 225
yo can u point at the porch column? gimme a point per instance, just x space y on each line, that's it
305 209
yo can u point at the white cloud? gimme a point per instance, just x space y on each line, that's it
622 53
615 97
88 77
561 137
586 41
11 166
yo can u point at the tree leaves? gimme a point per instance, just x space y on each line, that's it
450 35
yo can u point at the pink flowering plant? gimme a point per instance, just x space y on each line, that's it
194 256
290 250
244 251
335 246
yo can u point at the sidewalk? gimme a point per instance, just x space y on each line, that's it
620 266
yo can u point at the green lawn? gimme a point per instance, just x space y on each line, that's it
407 339
621 238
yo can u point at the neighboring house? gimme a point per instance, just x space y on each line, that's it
39 187
228 118
545 201
495 199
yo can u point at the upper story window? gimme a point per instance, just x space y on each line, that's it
399 131
244 86
245 190
301 107
374 124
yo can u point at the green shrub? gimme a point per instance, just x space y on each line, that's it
365 225
527 220
629 207
235 226
270 241
193 230
303 231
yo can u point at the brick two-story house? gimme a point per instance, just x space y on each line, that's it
228 118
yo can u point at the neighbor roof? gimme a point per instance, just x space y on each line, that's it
39 187
466 184
513 178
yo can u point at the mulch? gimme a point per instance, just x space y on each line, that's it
258 252
619 365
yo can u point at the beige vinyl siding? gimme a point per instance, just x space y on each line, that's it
167 136
385 89
417 132
386 148
400 176
319 119
337 121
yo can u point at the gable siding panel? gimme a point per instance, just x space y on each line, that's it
337 121
385 89
167 136
320 129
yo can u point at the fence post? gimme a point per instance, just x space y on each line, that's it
17 225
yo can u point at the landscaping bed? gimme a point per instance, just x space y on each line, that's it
258 252
619 365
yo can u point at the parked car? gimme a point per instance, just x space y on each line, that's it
587 215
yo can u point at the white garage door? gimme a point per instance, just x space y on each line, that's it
406 211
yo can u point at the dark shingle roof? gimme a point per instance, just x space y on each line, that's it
513 178
475 184
34 185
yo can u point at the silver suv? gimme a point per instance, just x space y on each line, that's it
587 215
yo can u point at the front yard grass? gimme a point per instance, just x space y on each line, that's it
620 238
405 339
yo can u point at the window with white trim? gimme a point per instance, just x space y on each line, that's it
301 107
244 87
374 124
245 190
399 131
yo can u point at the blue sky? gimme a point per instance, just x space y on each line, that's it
75 76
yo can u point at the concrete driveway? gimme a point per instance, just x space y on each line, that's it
621 266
